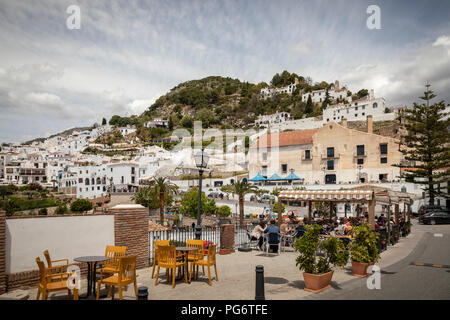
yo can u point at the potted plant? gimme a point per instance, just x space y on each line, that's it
317 272
226 250
364 251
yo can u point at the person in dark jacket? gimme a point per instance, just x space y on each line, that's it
273 235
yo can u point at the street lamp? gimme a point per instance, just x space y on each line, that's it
201 161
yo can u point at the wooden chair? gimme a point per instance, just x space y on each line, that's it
125 276
114 253
198 254
49 282
208 262
167 258
157 244
60 269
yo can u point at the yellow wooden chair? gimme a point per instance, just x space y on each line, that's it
49 282
198 254
114 253
208 262
167 258
125 276
157 244
59 268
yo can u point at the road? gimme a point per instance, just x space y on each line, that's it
402 280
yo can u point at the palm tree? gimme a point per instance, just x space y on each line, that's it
240 188
162 186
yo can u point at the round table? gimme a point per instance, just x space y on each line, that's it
92 268
185 251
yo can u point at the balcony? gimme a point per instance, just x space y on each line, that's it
360 155
329 157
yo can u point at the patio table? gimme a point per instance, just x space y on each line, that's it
185 251
92 268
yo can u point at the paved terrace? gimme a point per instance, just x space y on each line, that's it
283 280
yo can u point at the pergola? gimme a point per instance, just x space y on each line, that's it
362 194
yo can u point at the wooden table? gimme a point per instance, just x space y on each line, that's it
185 251
92 268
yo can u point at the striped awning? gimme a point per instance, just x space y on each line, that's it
327 195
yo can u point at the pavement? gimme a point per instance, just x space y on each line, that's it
283 280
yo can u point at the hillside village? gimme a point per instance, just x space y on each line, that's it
322 134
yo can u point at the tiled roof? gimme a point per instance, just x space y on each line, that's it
283 139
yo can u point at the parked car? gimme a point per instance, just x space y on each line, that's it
253 198
429 208
435 217
215 195
267 198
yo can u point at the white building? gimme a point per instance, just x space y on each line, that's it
270 92
335 93
157 123
271 119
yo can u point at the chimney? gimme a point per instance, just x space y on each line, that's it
344 122
369 124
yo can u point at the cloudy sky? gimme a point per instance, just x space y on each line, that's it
128 53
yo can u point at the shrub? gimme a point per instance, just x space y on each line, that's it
34 186
43 212
224 211
275 207
364 248
81 205
62 208
308 246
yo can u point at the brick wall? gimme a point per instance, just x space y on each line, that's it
226 236
2 252
131 230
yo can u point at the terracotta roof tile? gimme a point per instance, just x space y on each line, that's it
283 139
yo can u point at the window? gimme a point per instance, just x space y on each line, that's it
80 180
363 113
384 148
284 168
360 161
264 170
356 109
356 115
330 152
330 165
86 181
330 179
111 169
307 154
383 160
375 105
360 150
132 170
264 156
132 179
122 179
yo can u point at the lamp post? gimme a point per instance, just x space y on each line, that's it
201 161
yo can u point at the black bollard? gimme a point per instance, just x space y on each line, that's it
142 293
259 288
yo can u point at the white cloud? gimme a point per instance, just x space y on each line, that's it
302 48
43 98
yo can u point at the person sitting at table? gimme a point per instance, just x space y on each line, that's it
257 233
341 229
300 230
273 235
284 228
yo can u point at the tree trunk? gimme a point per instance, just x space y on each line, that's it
241 210
161 207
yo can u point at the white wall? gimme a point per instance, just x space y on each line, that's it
64 237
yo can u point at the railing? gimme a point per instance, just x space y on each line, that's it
178 236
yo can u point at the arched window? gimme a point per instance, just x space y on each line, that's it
375 105
98 180
86 181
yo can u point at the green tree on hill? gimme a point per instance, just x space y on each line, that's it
309 105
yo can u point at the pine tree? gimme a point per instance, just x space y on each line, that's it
309 105
426 145
103 122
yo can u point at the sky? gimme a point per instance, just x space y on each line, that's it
126 54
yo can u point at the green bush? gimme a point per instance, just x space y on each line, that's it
43 212
275 208
364 248
81 205
224 211
62 208
21 204
308 246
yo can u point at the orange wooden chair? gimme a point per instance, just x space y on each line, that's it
167 258
157 244
198 254
59 268
125 276
114 253
49 282
208 262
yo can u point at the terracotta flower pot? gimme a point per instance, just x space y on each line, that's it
225 251
317 282
359 269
